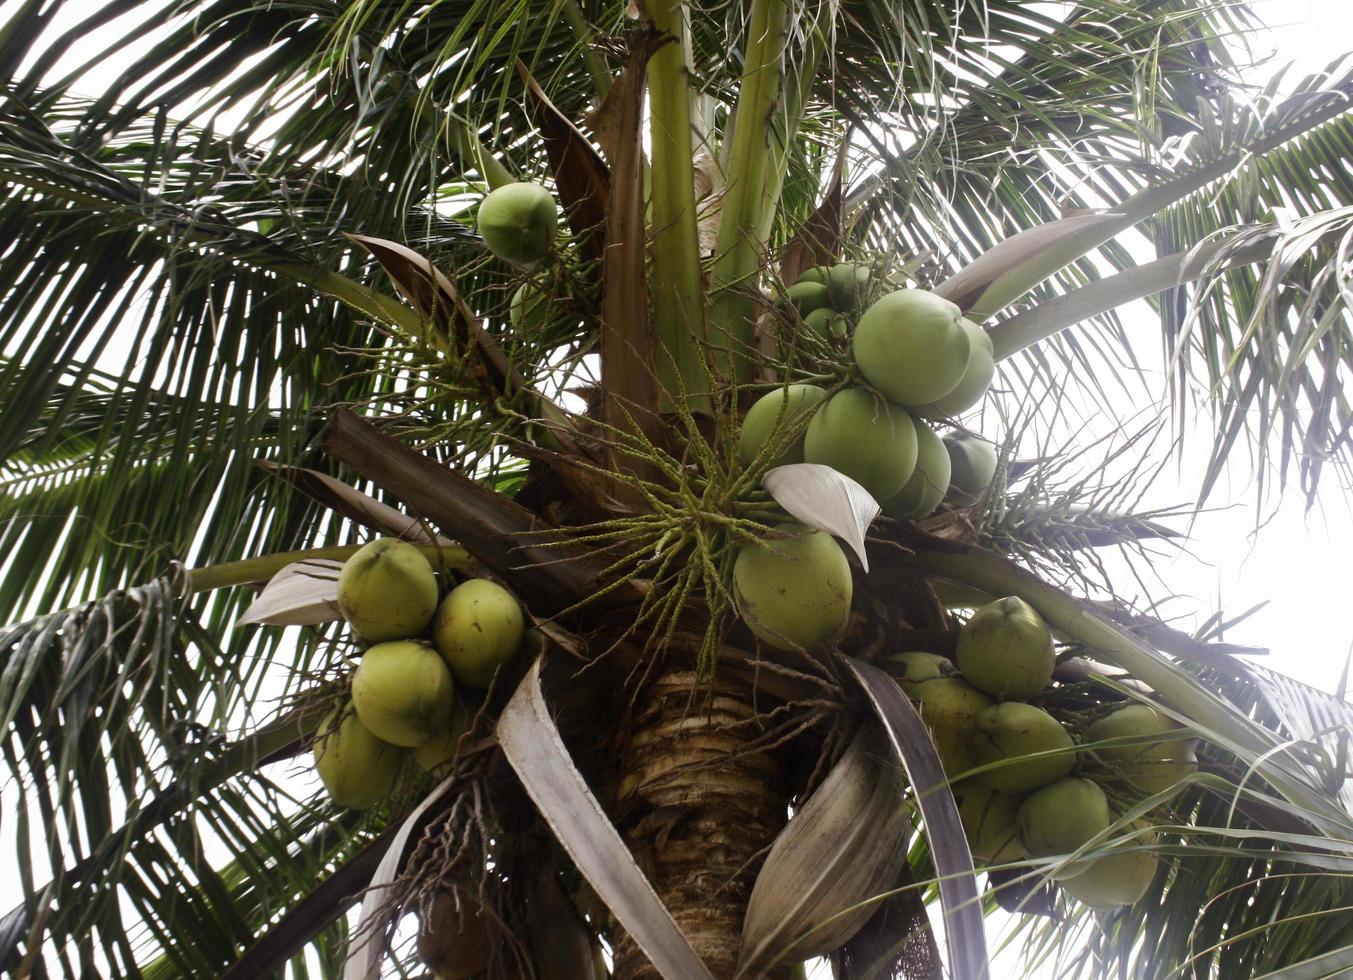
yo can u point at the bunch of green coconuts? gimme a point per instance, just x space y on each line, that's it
427 659
1035 792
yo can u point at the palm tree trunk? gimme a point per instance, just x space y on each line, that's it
699 809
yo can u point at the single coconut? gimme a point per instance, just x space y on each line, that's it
518 223
808 296
1005 649
848 284
929 482
1115 879
477 629
773 413
441 749
827 323
402 692
972 466
1008 732
531 309
1150 767
910 345
976 378
455 941
355 766
868 439
794 592
817 273
911 669
1061 817
387 591
948 707
988 822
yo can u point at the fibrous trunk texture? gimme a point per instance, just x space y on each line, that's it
698 804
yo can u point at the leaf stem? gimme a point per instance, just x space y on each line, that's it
264 567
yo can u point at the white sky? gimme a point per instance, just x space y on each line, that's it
1297 563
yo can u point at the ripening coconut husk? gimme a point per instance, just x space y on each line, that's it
1149 767
387 591
865 437
949 706
1008 732
988 820
477 629
1115 879
827 323
356 767
972 467
774 411
1005 649
929 482
910 345
530 309
441 749
1061 817
848 285
808 296
402 692
794 592
911 669
518 223
976 378
455 940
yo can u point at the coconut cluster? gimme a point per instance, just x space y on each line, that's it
427 658
1027 786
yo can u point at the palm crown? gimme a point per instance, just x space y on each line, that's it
243 289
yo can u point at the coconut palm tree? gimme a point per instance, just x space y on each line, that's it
248 323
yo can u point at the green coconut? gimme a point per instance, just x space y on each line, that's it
827 323
988 820
455 940
848 284
477 629
531 309
911 669
356 767
402 692
817 273
441 749
972 466
782 407
1149 767
518 223
949 707
928 483
794 592
910 345
1114 880
976 378
868 439
1061 817
1008 732
808 296
1005 649
387 591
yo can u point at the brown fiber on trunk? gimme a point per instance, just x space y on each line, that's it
698 810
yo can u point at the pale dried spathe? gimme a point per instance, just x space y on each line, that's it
825 500
304 593
842 850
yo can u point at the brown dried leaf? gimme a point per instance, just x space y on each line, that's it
355 505
303 593
818 242
533 747
580 175
844 847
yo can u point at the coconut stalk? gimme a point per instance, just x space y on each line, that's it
750 174
674 240
996 576
263 567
